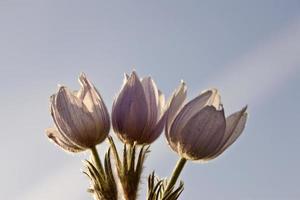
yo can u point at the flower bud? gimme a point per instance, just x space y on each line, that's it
81 118
199 130
138 111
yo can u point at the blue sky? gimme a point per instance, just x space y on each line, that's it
247 49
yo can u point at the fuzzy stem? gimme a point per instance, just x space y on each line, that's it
131 181
96 159
176 172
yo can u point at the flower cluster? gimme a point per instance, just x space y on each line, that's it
196 130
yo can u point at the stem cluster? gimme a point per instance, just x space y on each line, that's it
128 172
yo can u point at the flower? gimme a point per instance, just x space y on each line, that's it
199 130
81 117
138 113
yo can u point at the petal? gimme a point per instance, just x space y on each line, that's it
72 118
54 135
151 135
95 105
174 105
192 108
161 104
215 99
202 134
157 130
126 77
129 112
151 94
80 93
235 125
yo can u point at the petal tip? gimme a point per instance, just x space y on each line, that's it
60 85
48 132
214 91
214 98
62 89
133 76
126 76
134 72
182 86
83 80
133 79
82 75
182 82
244 109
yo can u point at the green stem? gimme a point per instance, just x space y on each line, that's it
176 172
96 159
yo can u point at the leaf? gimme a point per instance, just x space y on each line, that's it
103 184
156 189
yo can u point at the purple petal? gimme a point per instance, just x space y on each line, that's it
192 108
129 112
174 105
54 135
201 135
72 118
157 130
151 94
95 105
235 125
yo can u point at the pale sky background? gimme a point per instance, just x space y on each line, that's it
250 50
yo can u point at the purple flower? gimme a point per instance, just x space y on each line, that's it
81 117
199 130
138 112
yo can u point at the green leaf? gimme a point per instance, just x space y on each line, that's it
103 184
156 189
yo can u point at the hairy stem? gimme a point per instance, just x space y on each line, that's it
176 172
96 159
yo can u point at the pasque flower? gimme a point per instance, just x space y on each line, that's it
138 111
81 117
199 130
